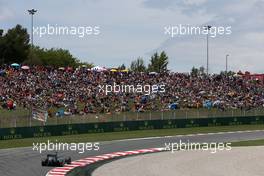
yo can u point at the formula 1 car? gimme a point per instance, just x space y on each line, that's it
54 160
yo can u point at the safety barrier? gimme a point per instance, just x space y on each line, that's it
101 127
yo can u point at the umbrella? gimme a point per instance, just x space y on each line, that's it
207 104
113 70
61 68
124 71
153 73
2 72
216 103
99 69
202 92
25 67
173 106
15 65
69 69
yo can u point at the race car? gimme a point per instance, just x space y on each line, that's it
54 160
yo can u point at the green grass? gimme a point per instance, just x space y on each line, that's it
125 135
249 143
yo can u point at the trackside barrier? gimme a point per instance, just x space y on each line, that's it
101 127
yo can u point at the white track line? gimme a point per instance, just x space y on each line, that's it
157 137
188 135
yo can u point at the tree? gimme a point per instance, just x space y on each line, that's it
15 45
80 63
121 67
33 59
229 73
55 57
158 63
194 72
138 65
202 70
154 61
1 47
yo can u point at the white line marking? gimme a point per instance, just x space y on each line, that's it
187 135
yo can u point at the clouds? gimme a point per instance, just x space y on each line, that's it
136 28
5 12
244 45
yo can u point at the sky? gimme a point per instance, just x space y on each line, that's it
135 28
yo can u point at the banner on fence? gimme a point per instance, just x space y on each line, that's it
39 114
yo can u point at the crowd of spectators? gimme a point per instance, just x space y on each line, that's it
78 91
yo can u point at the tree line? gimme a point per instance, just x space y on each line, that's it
15 48
158 63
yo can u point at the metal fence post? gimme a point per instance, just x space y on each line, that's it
30 121
124 116
29 116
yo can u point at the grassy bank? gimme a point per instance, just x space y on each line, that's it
125 135
249 143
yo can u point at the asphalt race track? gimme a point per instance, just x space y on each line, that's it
26 162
